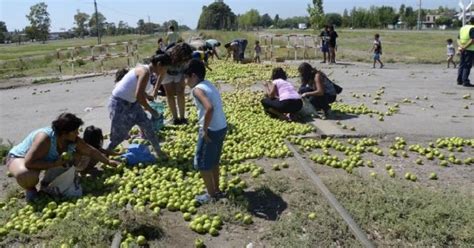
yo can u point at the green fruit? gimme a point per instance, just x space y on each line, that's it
52 205
3 231
198 243
66 156
407 175
388 167
312 216
141 240
248 219
391 173
213 231
238 216
276 167
373 174
433 176
413 177
187 216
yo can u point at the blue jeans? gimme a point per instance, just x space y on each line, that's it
124 116
208 154
465 66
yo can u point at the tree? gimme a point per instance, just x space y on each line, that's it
3 32
39 20
141 26
110 28
122 28
316 14
346 19
386 16
250 19
276 20
444 20
333 19
93 25
266 21
170 23
80 20
401 11
217 15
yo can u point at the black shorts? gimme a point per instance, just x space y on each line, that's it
285 106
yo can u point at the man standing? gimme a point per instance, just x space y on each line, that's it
466 47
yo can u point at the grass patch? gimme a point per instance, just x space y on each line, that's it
46 80
396 213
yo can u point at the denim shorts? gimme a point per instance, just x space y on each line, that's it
208 154
376 56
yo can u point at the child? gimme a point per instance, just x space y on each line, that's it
93 137
377 49
161 46
450 52
212 128
258 51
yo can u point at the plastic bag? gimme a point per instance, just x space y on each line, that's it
138 153
158 122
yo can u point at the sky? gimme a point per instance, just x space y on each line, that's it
186 12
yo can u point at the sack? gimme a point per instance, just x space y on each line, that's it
64 185
138 153
307 109
158 122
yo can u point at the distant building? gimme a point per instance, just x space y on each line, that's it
302 26
430 21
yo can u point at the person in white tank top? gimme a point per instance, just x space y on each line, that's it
128 103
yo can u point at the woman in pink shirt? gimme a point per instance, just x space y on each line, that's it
281 99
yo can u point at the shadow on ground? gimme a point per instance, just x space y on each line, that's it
265 204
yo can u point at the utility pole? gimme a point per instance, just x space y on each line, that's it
97 22
419 15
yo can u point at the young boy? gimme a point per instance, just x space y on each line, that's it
258 51
377 49
450 52
212 128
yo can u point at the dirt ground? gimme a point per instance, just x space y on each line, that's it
281 200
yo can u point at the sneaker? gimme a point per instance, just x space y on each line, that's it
220 195
468 85
31 195
381 66
203 199
183 121
176 121
459 83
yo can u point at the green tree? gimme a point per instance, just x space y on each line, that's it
217 15
316 14
80 19
39 21
333 19
276 20
122 28
386 16
170 23
444 20
141 26
110 28
3 32
93 24
266 21
346 19
249 20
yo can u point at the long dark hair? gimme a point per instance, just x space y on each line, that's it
307 73
65 123
180 53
